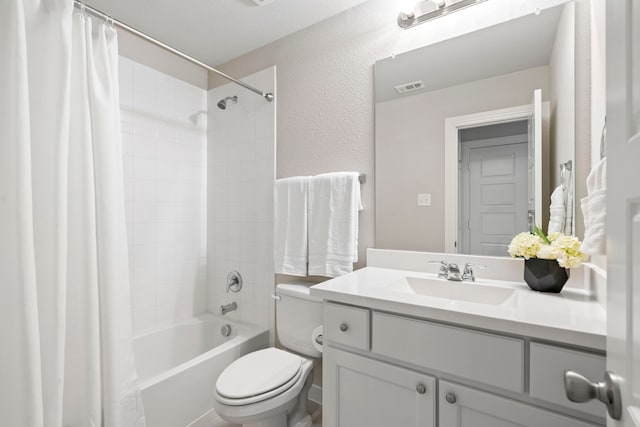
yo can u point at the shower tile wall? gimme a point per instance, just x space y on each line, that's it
241 174
164 140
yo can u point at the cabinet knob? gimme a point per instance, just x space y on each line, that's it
420 388
344 327
451 398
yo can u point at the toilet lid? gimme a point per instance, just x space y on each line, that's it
258 373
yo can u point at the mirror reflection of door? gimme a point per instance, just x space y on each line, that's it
493 186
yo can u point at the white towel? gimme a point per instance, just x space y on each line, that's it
557 211
334 203
594 210
290 225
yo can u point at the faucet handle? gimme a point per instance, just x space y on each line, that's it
467 273
444 268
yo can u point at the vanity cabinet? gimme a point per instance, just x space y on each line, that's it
383 369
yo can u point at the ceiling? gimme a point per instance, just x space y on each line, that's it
215 31
508 47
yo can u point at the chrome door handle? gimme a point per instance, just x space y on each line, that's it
580 389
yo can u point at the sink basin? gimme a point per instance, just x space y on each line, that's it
454 291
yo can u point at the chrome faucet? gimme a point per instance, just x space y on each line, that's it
448 271
224 309
454 273
451 271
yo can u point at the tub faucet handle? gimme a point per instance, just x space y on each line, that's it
234 281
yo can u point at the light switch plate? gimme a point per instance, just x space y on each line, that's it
424 199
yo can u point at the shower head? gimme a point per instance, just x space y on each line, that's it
222 104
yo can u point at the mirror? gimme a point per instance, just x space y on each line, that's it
470 135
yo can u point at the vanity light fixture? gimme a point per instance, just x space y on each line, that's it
431 9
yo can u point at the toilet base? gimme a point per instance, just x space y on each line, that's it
279 420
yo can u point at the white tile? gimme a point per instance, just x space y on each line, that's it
125 75
145 146
166 232
128 210
166 253
144 126
127 143
126 121
144 168
263 253
143 277
143 320
144 190
144 234
166 211
144 211
144 298
144 256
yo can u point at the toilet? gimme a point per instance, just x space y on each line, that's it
269 387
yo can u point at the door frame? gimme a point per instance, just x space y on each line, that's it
451 152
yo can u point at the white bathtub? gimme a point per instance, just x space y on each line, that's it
179 365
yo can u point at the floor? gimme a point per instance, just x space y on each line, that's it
212 419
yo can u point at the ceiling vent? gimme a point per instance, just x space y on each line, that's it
410 87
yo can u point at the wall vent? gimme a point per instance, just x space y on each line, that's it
409 87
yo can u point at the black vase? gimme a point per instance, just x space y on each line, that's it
545 275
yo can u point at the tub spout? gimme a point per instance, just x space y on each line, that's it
224 309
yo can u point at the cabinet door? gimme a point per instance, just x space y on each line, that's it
361 392
466 407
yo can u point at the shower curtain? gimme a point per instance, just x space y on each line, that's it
66 355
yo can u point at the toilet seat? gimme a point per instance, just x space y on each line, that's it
246 380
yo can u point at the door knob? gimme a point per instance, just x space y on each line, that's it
451 398
580 389
344 327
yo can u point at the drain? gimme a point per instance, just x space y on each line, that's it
225 330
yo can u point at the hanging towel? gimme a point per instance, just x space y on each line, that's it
557 211
290 225
594 210
334 203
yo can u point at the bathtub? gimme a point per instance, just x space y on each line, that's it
179 365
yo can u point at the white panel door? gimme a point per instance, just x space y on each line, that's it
623 203
361 392
497 198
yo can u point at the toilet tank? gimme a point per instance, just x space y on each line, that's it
297 315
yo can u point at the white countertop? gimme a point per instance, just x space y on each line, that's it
572 317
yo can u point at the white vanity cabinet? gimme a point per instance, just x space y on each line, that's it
383 369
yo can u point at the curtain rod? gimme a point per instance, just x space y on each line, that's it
82 6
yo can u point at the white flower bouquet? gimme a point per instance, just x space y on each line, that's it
556 246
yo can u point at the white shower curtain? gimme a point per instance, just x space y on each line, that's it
66 355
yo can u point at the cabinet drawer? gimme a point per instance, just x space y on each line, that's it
548 364
477 356
347 325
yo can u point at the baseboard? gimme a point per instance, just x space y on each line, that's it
315 394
